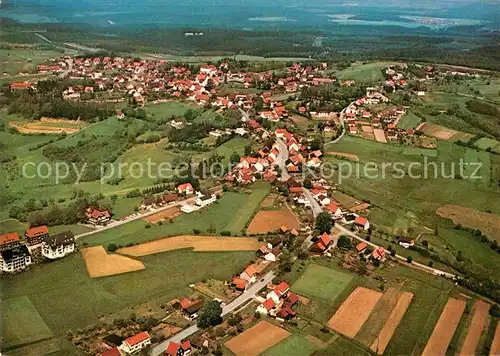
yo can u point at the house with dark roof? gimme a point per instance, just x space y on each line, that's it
59 245
34 236
176 349
14 255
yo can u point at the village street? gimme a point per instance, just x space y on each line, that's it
138 216
249 294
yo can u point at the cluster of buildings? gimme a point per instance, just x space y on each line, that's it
117 346
16 253
360 118
279 302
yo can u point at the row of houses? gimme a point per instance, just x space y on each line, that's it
16 252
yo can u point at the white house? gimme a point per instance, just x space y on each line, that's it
188 208
14 255
59 245
278 292
313 162
362 222
249 274
185 188
334 209
267 307
136 343
205 199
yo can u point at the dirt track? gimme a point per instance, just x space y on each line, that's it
495 345
163 215
100 263
271 220
44 126
257 339
445 328
476 327
380 344
351 156
197 242
355 310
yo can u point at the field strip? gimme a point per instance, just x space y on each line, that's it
495 345
476 327
351 156
257 339
380 344
197 242
445 328
355 310
99 263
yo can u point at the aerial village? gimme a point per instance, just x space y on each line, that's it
287 158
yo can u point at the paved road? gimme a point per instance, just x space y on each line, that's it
402 258
316 208
67 71
235 304
141 216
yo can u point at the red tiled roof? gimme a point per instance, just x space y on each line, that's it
332 207
183 187
111 352
292 298
360 220
325 239
269 304
239 283
36 231
9 237
186 345
282 288
134 340
361 246
172 349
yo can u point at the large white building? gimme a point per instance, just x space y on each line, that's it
135 343
59 245
14 254
205 199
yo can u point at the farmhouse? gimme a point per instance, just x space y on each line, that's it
378 254
190 307
361 246
135 343
59 245
278 292
239 284
249 274
205 199
114 351
406 241
35 235
14 255
185 188
362 222
175 349
98 217
267 307
334 209
322 244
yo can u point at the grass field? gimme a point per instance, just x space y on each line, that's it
321 283
488 143
217 215
293 345
241 216
409 121
24 60
167 110
21 323
342 346
369 72
415 151
55 288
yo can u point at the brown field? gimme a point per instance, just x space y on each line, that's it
197 242
445 328
268 202
299 120
375 322
495 345
442 133
380 135
476 327
351 156
266 221
489 224
367 129
48 126
355 310
170 330
100 263
380 344
368 135
257 339
359 207
163 215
